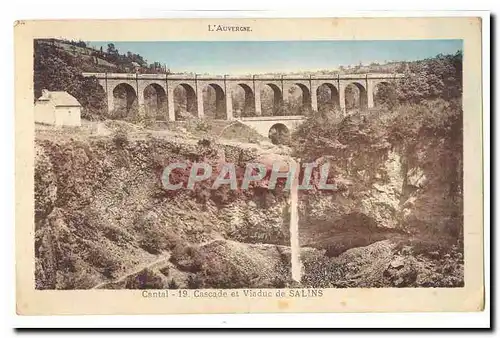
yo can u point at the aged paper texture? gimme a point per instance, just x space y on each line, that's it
248 165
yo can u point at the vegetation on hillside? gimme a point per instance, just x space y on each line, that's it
110 56
58 66
57 70
415 134
426 102
419 118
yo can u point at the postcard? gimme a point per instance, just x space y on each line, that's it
175 166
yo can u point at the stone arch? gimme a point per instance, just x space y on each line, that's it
214 101
124 101
328 97
185 101
155 101
271 100
279 133
298 101
384 93
243 100
356 96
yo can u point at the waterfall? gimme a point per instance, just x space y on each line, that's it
294 225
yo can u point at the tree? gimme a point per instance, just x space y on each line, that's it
58 71
426 102
386 95
438 77
112 53
111 49
81 44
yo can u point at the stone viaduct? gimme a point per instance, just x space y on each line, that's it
165 84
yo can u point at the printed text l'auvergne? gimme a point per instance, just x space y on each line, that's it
224 28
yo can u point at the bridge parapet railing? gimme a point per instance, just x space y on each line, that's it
247 77
325 77
151 76
121 75
353 76
267 77
97 75
181 76
272 118
244 77
210 77
296 77
384 75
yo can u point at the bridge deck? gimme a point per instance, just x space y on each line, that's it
242 77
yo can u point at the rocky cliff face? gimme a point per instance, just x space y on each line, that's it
386 188
101 209
102 219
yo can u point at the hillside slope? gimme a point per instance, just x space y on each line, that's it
103 220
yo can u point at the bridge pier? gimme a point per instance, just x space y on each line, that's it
139 94
369 94
341 91
111 101
140 100
314 98
258 106
199 99
229 104
370 87
170 103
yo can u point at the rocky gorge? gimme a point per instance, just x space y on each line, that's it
103 220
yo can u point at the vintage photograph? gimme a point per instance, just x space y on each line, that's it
248 164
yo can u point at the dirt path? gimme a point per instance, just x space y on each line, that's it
148 265
135 271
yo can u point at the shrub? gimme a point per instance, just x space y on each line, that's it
202 125
188 258
146 279
152 244
103 259
143 119
165 270
172 284
223 274
321 271
156 239
116 234
280 138
195 282
120 139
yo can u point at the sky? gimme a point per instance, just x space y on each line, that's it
254 57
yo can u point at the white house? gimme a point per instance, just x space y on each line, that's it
58 108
